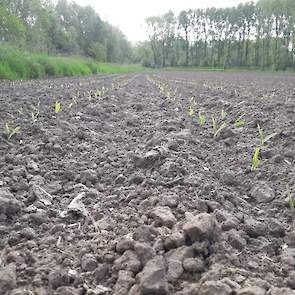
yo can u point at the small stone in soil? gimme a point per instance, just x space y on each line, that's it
143 233
67 291
39 217
236 240
163 216
152 278
262 193
254 290
193 265
100 273
144 252
276 228
124 283
58 278
28 233
125 244
291 280
214 288
173 241
9 206
88 262
7 279
202 226
128 261
255 228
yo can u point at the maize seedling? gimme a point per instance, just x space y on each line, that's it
291 198
21 111
239 123
217 129
255 159
9 131
201 119
191 111
72 103
263 139
57 107
223 114
34 116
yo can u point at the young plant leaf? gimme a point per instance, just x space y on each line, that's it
20 111
16 130
191 111
262 138
214 125
34 116
222 126
239 123
201 119
291 199
217 129
255 159
223 114
57 107
9 132
269 137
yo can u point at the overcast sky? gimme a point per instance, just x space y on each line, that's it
129 15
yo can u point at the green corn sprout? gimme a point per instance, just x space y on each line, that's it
9 132
291 199
239 123
72 103
201 119
217 129
223 114
90 95
191 111
21 111
101 92
255 159
263 139
34 116
57 107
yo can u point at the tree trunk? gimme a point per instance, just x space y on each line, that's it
247 45
163 54
187 48
263 56
239 50
257 48
196 54
226 61
276 54
205 52
154 53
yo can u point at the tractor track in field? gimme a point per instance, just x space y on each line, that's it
123 192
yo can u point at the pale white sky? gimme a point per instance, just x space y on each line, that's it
129 15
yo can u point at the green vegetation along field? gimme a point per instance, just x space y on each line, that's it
19 64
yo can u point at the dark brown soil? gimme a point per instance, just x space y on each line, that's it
124 193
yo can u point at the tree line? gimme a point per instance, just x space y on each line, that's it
258 34
61 28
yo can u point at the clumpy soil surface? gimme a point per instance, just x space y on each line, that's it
123 192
